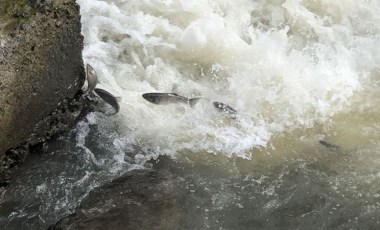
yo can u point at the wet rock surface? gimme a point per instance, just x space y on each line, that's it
63 118
41 73
140 199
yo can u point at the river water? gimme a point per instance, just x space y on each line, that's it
296 71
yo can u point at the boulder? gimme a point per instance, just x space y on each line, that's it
41 71
139 199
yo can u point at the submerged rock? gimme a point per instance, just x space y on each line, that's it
140 199
41 71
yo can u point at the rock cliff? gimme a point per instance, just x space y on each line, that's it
41 71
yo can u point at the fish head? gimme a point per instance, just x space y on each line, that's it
92 78
219 105
90 70
151 97
226 109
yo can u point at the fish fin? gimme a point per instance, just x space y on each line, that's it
193 101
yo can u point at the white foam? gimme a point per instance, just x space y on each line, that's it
281 65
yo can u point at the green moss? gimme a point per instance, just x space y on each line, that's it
16 8
13 12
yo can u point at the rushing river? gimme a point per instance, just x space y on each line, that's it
296 71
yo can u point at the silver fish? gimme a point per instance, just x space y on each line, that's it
167 98
109 98
92 78
226 109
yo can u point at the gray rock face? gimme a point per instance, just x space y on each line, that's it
140 199
41 69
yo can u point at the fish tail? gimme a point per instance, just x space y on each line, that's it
193 101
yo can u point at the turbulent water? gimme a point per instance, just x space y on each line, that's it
284 65
296 71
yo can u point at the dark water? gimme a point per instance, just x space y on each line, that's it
51 183
305 186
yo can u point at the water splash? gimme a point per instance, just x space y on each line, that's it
283 65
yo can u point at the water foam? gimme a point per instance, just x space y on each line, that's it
282 64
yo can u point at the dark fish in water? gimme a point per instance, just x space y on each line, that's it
329 145
92 78
167 98
226 109
109 98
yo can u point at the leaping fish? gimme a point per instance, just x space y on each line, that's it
109 98
226 109
168 98
92 79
